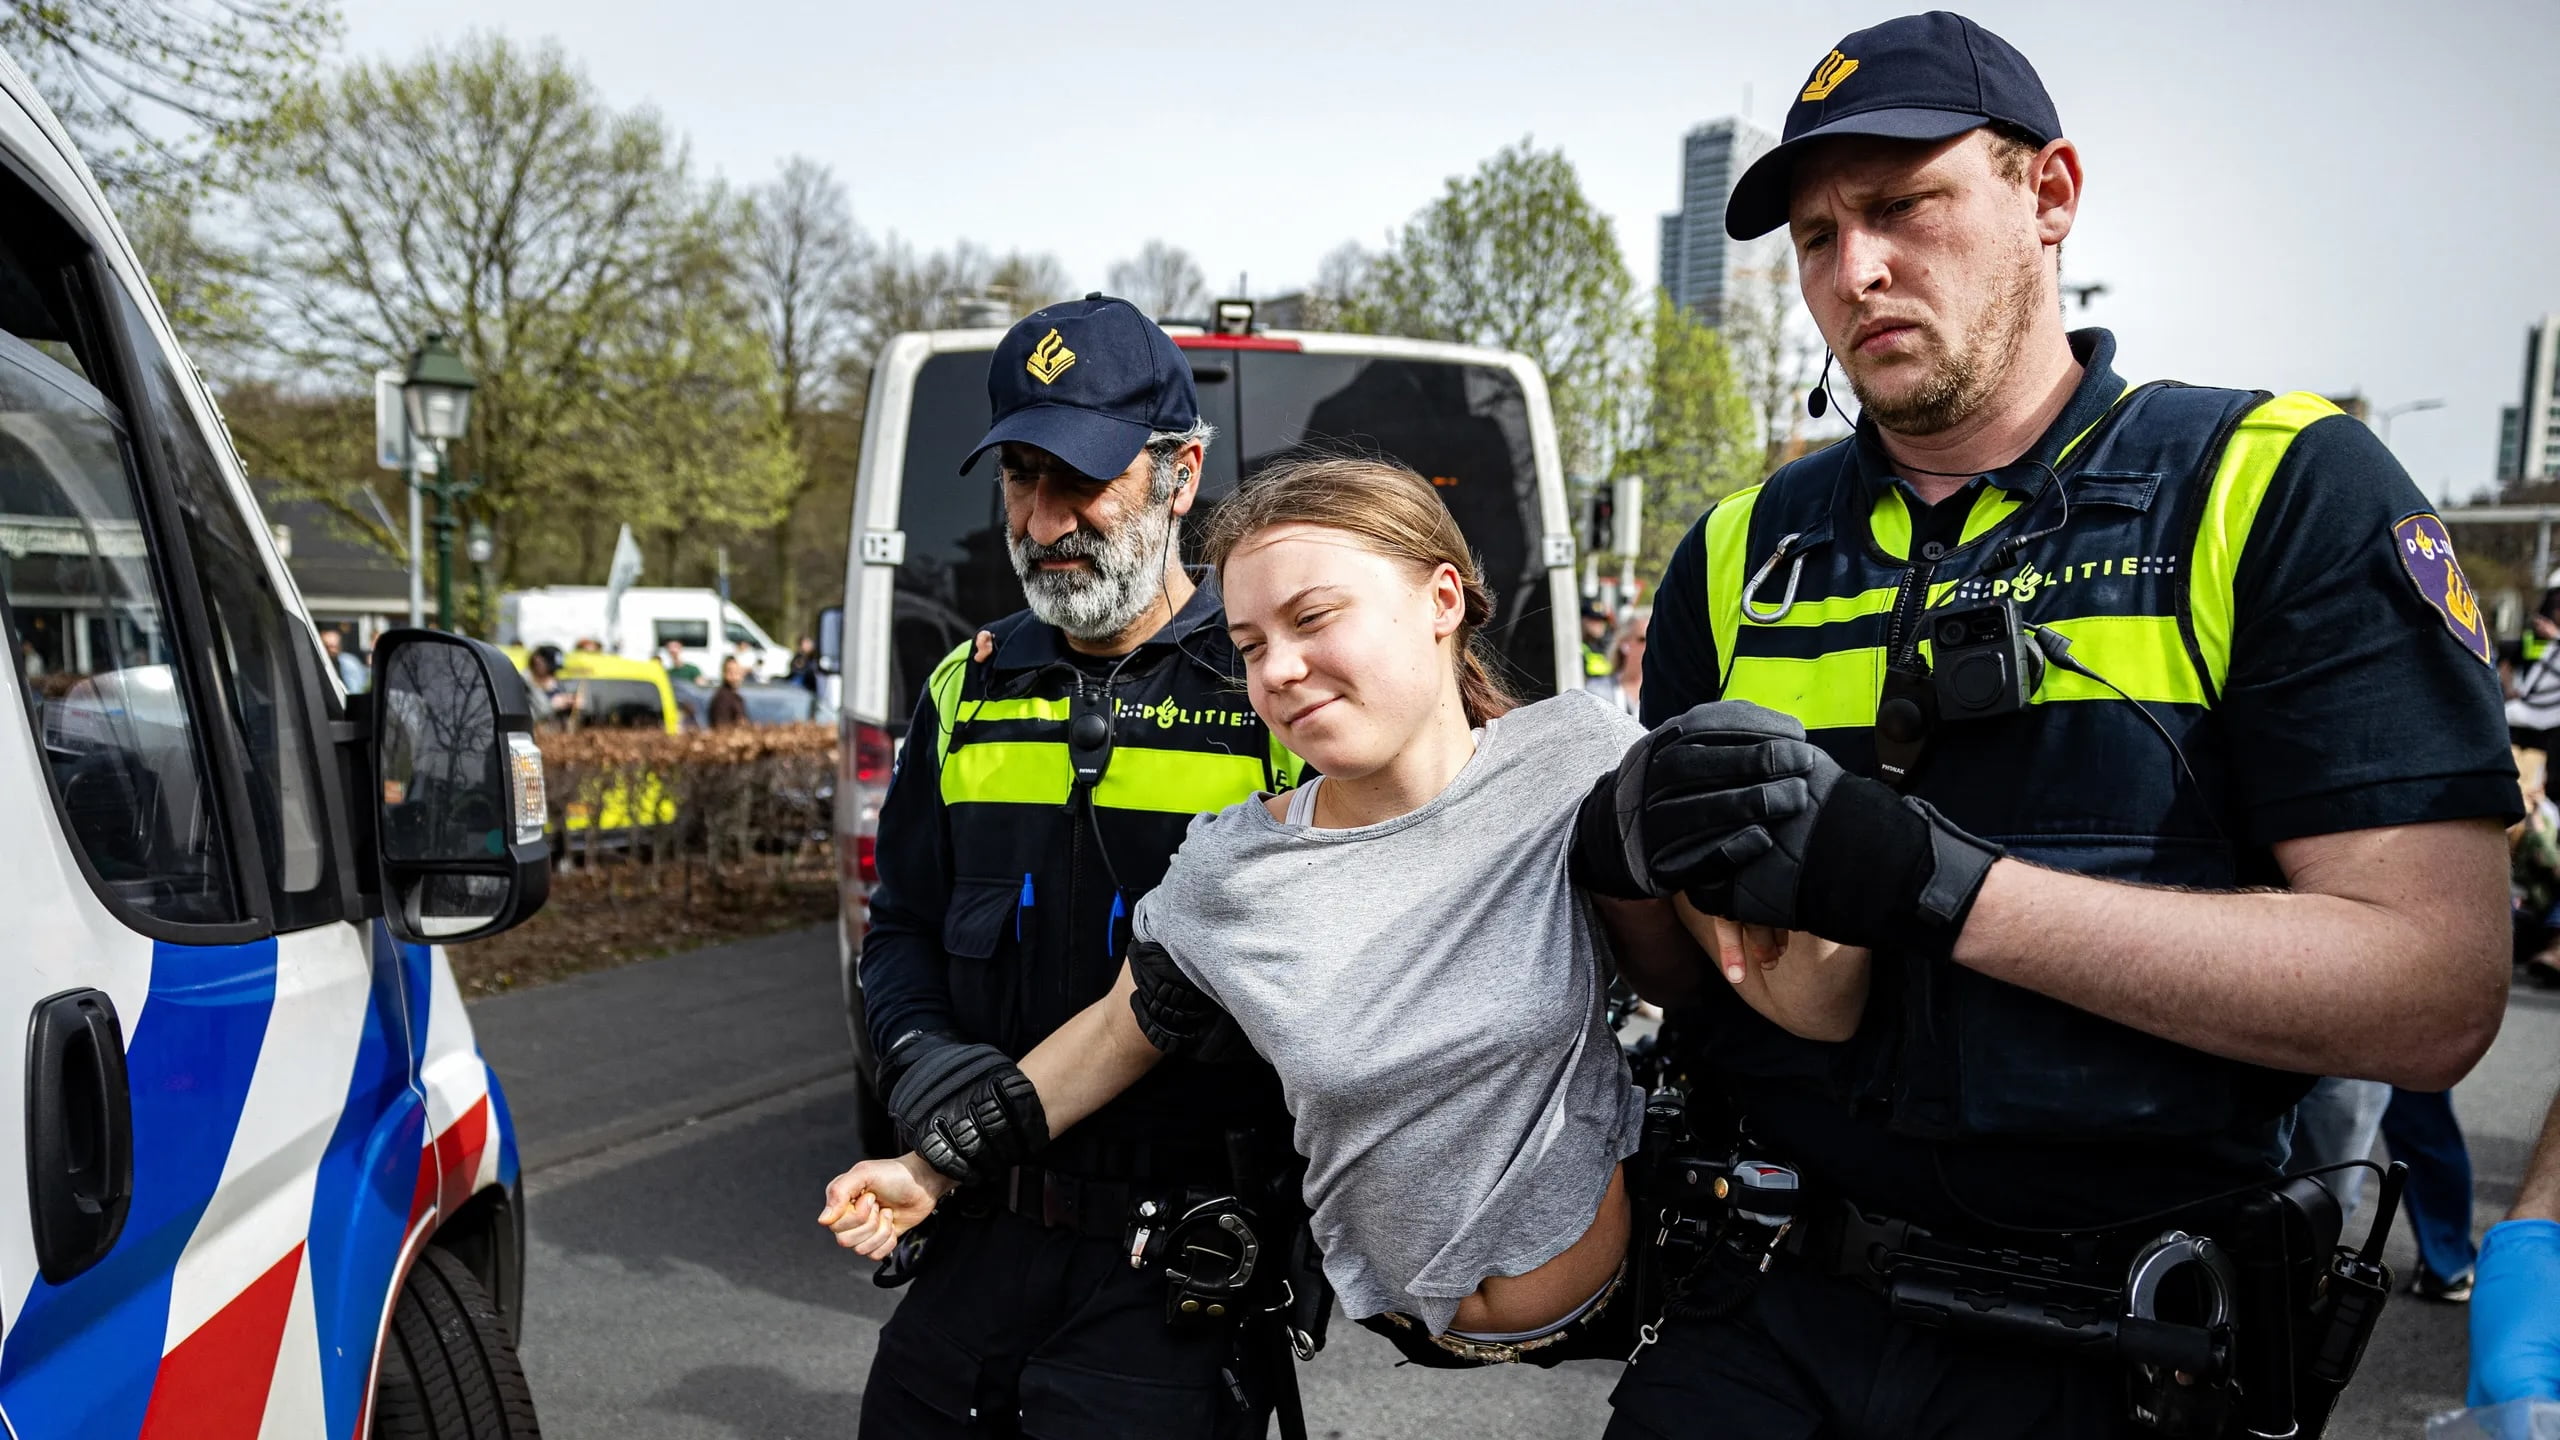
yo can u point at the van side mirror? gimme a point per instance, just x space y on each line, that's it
831 640
459 806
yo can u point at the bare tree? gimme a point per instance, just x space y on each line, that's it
1342 278
904 290
964 285
1163 280
803 269
803 266
1026 280
120 72
1773 355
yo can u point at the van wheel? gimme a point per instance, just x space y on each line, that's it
449 1369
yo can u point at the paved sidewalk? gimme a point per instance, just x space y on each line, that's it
611 1056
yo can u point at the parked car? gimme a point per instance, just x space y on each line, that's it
266 1185
929 564
768 703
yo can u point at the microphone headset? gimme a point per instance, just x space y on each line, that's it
1817 401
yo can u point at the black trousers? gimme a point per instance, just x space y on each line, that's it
1809 1356
1014 1328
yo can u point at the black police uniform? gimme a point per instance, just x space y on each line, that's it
1039 795
2255 575
1002 910
2334 688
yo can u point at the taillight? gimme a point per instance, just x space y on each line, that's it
866 858
873 753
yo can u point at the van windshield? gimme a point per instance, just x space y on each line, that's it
1465 426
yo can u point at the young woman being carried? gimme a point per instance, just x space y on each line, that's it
1401 939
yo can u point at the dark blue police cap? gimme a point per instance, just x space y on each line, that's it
1087 380
1922 77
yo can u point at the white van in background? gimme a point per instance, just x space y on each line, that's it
563 615
929 564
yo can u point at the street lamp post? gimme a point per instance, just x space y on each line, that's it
2382 418
437 393
481 547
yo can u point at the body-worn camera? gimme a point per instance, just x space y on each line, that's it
1983 662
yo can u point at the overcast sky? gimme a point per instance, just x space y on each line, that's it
2331 196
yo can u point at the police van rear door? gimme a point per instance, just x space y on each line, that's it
1474 421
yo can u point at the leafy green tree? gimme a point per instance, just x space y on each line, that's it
205 286
148 87
1694 443
694 407
485 191
1515 256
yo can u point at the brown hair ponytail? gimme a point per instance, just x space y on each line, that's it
1391 511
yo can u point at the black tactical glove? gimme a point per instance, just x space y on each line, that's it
1693 802
967 1108
1776 833
1177 1016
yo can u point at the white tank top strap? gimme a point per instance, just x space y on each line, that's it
1302 803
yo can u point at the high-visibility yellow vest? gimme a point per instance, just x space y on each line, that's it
2162 495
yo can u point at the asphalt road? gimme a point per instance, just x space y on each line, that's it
679 1117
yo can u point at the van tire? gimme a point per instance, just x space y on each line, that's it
449 1368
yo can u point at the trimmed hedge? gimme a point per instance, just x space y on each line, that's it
749 802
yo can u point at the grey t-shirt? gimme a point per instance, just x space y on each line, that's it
1430 990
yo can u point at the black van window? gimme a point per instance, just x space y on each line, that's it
1464 426
619 704
254 633
90 634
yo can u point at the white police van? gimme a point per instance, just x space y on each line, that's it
928 562
269 1186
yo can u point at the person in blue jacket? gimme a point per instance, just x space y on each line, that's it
2515 1296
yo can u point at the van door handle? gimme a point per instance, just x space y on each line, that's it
79 1131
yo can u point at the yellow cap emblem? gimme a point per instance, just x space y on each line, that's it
1049 359
1835 67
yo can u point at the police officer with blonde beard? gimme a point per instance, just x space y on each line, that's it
1051 771
2139 744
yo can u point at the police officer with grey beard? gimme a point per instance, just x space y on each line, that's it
1052 768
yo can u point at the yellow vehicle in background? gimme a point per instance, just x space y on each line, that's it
613 691
618 693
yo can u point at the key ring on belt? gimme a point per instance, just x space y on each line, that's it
1786 602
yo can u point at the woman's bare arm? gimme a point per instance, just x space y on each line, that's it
1810 987
1653 949
1081 1067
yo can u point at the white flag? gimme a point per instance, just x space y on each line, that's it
626 568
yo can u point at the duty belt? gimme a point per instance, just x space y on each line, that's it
1092 1188
2251 1321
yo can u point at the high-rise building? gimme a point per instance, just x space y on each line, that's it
1698 260
2529 435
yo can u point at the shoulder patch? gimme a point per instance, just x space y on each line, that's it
2426 552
